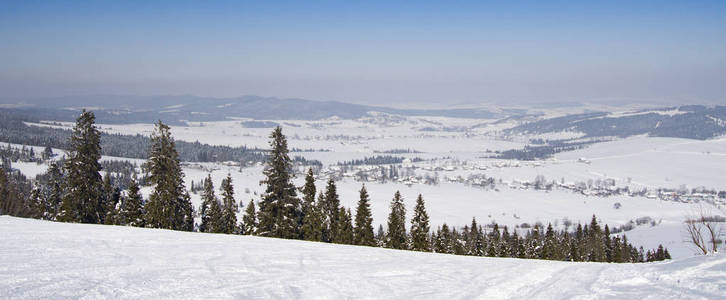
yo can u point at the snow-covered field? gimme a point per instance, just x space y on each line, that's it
460 146
42 259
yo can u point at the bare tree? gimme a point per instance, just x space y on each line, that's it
704 228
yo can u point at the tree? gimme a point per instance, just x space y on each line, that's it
420 227
331 209
550 244
229 206
82 200
249 220
211 213
476 240
345 228
111 199
363 233
312 221
396 237
54 191
169 205
280 207
11 202
703 231
132 212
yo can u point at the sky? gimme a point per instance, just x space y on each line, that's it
388 52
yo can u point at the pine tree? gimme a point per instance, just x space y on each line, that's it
210 210
396 237
111 197
476 239
331 208
595 246
132 211
312 221
82 200
280 208
550 244
444 240
54 191
380 236
169 205
345 228
113 207
36 204
363 234
249 220
420 227
607 243
229 206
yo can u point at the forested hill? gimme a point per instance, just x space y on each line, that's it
692 122
174 109
14 130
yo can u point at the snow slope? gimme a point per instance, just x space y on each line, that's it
55 260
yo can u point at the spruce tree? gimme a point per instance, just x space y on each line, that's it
169 205
331 212
280 208
82 200
549 249
36 205
476 240
211 213
133 212
229 206
54 191
363 234
396 237
380 236
420 227
312 221
345 228
249 220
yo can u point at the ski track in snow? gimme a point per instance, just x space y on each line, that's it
43 259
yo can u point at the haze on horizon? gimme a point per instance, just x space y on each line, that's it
369 53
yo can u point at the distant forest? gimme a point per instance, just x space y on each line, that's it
14 130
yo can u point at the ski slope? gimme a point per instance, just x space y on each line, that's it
56 260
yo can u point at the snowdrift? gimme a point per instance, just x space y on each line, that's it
40 259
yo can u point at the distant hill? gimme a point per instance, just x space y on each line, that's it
173 109
692 121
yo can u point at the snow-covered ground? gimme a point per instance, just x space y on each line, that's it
43 259
638 162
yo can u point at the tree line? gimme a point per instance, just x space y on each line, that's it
75 191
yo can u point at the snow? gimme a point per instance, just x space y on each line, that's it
57 260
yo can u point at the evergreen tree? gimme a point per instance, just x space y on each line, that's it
280 208
210 210
132 211
396 237
474 237
363 234
229 206
312 220
420 227
249 220
111 198
345 228
36 204
444 242
550 244
54 191
331 209
380 236
82 201
169 205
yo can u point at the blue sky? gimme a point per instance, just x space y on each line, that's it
445 52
